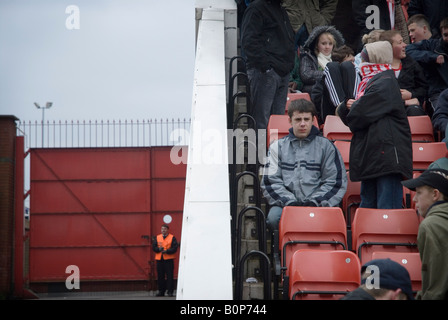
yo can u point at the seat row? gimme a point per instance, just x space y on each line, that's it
376 233
335 130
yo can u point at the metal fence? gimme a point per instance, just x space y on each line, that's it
96 134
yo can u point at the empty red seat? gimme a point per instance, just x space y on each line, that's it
278 127
410 260
344 150
423 154
384 230
296 96
421 129
335 129
311 227
323 274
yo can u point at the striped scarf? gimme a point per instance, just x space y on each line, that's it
368 71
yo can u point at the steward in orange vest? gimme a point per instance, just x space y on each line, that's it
165 248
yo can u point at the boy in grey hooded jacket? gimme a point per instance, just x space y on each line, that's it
304 168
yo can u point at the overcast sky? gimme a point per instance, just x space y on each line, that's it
129 59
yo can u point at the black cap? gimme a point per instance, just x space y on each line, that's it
392 275
436 178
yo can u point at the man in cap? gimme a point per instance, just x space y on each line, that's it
383 279
431 202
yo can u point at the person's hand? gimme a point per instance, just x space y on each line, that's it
405 94
349 103
440 59
412 102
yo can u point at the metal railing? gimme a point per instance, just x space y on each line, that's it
105 133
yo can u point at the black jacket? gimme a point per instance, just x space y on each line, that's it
381 142
267 37
360 15
413 79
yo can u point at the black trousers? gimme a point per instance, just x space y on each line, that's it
165 268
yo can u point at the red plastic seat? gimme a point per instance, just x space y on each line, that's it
384 230
421 129
344 150
323 274
279 123
410 260
335 129
423 154
296 96
310 227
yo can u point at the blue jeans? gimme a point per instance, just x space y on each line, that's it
269 92
384 192
273 219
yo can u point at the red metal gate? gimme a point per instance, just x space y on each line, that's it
98 209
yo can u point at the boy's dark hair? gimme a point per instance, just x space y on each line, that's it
166 226
340 53
420 20
301 105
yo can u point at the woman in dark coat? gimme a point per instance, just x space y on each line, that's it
381 146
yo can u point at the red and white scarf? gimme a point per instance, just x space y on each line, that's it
368 71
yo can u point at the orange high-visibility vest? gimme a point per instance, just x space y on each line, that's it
166 244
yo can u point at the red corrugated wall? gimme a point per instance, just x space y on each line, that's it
98 209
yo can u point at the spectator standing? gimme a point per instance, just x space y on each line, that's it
305 15
381 146
268 44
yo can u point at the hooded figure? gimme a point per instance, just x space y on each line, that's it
381 146
316 53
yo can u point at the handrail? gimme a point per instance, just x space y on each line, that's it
265 271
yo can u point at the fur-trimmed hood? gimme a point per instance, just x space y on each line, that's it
317 31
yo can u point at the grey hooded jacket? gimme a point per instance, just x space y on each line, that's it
304 170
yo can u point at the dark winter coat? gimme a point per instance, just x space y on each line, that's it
309 68
267 37
381 144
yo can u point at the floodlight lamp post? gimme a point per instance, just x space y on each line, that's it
47 106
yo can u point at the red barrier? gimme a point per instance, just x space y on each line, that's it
98 209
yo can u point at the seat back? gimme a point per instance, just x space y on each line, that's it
344 150
410 260
421 128
281 124
296 96
323 274
335 129
423 154
384 230
320 228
